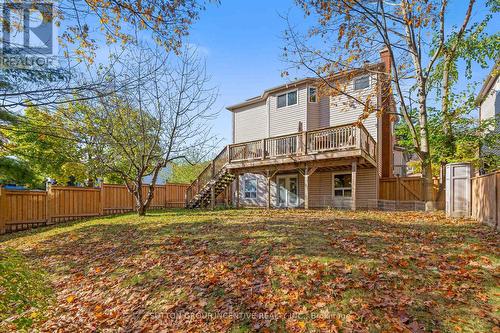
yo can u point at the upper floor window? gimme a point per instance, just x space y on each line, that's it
313 95
361 82
287 99
250 188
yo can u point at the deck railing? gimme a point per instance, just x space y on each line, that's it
246 151
352 136
337 138
367 142
282 146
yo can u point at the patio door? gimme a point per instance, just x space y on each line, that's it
288 191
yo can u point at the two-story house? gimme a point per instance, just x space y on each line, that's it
307 144
488 101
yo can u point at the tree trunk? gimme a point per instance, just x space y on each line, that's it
140 207
445 108
425 155
142 204
141 210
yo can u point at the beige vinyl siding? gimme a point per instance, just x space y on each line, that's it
324 112
344 110
366 185
286 120
301 190
490 108
250 122
399 157
313 114
320 189
261 199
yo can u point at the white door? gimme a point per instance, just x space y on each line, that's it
288 191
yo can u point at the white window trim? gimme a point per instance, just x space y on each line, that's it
286 94
256 188
359 77
340 188
309 94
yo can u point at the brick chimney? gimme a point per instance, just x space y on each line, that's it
386 59
387 104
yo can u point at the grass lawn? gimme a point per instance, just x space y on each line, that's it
253 270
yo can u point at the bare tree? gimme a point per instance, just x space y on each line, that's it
350 33
161 118
84 27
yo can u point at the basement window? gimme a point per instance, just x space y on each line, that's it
250 188
342 185
362 82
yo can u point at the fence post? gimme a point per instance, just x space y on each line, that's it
3 210
166 190
497 197
398 189
101 212
48 204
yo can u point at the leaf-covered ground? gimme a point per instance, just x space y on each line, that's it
253 270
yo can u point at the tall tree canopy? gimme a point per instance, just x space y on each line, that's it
160 119
417 34
185 172
84 26
40 140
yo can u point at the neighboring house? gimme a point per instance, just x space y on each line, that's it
294 146
489 105
161 179
400 160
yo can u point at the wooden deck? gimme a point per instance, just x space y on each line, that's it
327 144
348 145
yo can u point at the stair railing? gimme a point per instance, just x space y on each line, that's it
210 172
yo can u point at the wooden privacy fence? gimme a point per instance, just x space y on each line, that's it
24 209
408 189
486 199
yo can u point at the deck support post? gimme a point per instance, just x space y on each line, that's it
237 199
212 197
354 193
268 177
227 193
306 188
307 172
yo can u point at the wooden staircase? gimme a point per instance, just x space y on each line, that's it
211 182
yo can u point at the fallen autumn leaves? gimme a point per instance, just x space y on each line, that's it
253 270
